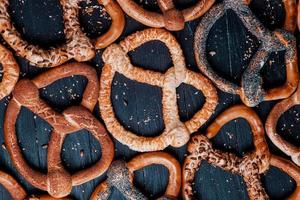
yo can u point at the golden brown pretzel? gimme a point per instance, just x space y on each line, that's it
10 72
176 133
251 91
289 149
172 19
78 46
120 175
298 16
58 182
249 167
117 24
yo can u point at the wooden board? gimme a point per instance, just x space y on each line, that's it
138 106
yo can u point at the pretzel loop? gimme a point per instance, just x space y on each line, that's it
58 182
251 91
249 167
120 176
176 133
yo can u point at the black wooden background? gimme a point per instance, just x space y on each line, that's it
139 106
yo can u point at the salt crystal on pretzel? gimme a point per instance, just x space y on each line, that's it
57 181
251 91
176 133
120 176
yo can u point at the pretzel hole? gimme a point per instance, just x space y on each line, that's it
278 184
234 137
33 135
183 4
189 100
230 47
274 71
1 72
93 18
150 182
289 124
46 28
4 194
209 179
64 92
270 13
150 5
153 55
80 150
137 106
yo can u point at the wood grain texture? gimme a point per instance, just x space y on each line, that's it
138 106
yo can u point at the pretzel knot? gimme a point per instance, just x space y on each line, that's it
120 176
78 46
251 91
171 18
176 133
289 149
58 182
249 167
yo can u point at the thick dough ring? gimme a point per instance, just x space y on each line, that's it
10 72
120 175
172 19
78 45
176 133
250 167
251 91
289 149
58 182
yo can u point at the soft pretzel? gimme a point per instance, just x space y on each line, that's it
176 133
120 176
171 18
250 167
10 72
58 182
289 149
251 91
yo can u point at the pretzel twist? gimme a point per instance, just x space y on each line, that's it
272 120
58 182
10 72
249 167
176 133
251 91
120 176
171 18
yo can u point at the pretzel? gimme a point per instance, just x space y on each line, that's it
120 176
10 72
271 123
249 167
176 133
117 25
251 91
171 18
78 46
298 16
17 192
58 182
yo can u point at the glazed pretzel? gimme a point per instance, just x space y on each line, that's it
10 72
251 91
276 112
120 176
58 182
249 167
171 18
78 46
17 192
176 133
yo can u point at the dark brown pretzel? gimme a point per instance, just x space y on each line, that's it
10 72
172 19
298 16
289 149
249 167
120 175
251 91
58 182
176 132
